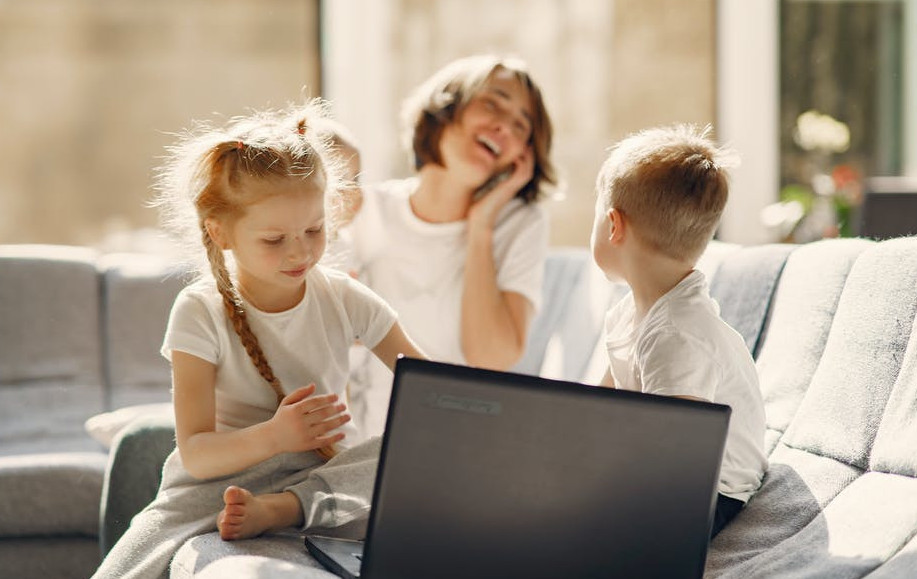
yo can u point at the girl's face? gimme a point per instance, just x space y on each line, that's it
492 131
277 241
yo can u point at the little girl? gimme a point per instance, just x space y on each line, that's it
259 352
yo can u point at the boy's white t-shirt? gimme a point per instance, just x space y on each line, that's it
419 267
306 344
683 348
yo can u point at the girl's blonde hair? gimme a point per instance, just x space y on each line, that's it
441 100
672 184
204 178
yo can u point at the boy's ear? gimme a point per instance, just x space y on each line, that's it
617 226
217 233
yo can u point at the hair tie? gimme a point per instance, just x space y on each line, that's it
301 127
240 145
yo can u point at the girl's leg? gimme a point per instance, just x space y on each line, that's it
246 515
184 508
177 513
331 495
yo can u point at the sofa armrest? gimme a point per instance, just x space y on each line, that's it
134 472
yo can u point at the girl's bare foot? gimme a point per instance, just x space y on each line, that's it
246 515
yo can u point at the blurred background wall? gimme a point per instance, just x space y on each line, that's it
816 95
91 91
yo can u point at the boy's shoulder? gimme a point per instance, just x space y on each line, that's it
689 311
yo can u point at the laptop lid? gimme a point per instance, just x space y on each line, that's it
495 474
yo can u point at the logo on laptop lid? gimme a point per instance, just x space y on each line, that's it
463 404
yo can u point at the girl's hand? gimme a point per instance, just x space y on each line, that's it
484 211
303 421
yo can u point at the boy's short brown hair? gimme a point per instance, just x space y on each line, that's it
442 98
671 184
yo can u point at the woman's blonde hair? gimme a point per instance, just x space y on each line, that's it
671 183
441 100
204 178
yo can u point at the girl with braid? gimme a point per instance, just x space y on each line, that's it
259 345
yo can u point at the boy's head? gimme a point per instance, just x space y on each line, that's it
344 147
670 184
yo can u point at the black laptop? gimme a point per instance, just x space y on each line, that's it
494 474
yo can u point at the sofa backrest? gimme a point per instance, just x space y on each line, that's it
50 346
838 367
138 291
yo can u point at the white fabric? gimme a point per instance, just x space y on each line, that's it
683 348
418 268
306 344
333 495
105 427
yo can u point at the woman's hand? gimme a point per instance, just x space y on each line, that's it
303 421
483 212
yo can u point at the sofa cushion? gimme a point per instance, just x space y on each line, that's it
60 557
821 511
796 487
42 417
50 371
51 494
139 290
563 334
840 414
49 314
104 427
134 472
861 528
895 448
800 317
743 285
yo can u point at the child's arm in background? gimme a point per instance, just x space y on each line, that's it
300 423
608 380
394 343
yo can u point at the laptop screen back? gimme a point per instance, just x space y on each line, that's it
489 474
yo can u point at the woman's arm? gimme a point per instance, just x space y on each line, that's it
301 423
494 323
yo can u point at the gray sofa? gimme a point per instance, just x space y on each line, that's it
79 336
831 327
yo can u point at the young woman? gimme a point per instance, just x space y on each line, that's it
458 250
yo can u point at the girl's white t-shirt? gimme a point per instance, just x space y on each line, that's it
306 344
419 267
683 348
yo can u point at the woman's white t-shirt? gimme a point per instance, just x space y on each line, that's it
683 348
306 344
419 267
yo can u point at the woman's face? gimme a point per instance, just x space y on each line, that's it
492 131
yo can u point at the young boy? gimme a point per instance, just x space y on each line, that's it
660 196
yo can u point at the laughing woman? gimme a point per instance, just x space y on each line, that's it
459 249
